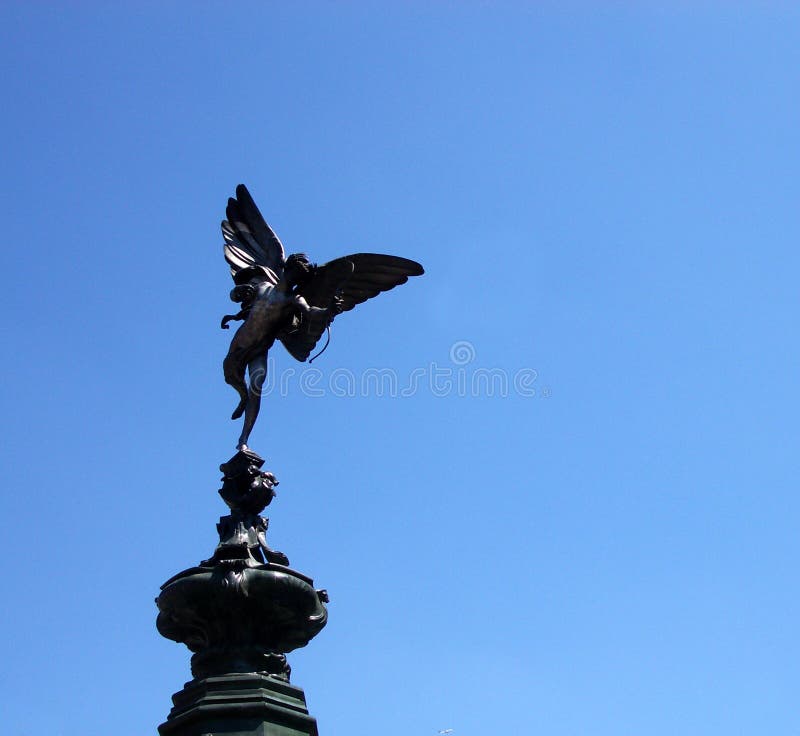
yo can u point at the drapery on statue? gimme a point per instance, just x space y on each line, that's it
289 299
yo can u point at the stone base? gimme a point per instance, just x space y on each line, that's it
241 704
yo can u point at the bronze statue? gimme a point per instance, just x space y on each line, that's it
289 299
244 608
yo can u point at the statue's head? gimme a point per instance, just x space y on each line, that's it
298 269
247 281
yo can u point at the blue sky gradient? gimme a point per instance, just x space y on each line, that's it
603 193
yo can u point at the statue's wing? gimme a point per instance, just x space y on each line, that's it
354 279
374 273
249 241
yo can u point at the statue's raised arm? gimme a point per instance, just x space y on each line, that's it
289 299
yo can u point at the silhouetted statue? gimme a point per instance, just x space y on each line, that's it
289 299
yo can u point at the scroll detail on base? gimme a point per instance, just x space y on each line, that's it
242 609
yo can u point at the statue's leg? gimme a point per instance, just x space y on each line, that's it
233 369
257 371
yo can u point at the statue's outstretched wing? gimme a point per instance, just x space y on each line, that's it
249 241
354 279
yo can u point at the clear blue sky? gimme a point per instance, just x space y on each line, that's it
604 193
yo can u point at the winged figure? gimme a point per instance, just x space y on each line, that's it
288 299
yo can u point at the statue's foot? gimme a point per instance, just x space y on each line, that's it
239 409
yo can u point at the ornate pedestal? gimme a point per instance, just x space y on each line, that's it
239 612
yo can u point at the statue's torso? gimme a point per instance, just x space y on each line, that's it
270 310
